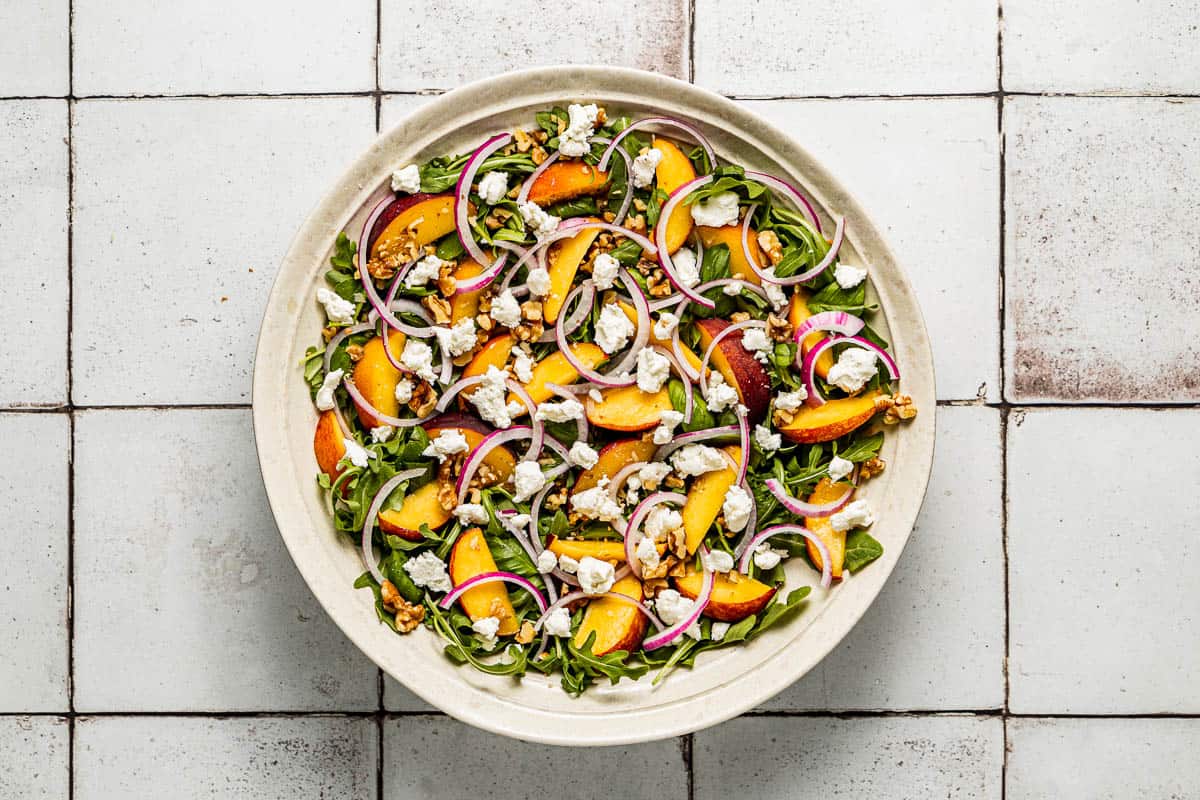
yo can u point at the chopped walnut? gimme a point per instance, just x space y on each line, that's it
652 586
665 564
439 307
393 254
739 316
483 322
328 333
771 245
609 216
679 570
555 499
778 328
408 615
677 543
871 467
484 476
733 576
524 141
539 155
531 310
783 418
896 408
639 204
492 223
540 136
525 635
673 481
424 398
530 332
355 351
601 116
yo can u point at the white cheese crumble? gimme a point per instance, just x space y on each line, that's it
736 508
566 411
493 186
537 220
324 399
506 310
665 325
643 167
856 515
582 455
653 369
697 459
407 179
458 339
667 422
546 561
528 480
595 576
596 503
765 557
791 401
573 141
854 367
423 271
429 571
558 622
404 390
660 522
338 310
775 292
382 433
839 468
731 289
717 211
613 329
568 565
596 395
651 475
718 561
487 628
673 607
686 268
418 357
647 553
719 629
720 394
358 455
756 341
490 396
538 282
471 514
767 441
447 443
847 276
604 271
523 366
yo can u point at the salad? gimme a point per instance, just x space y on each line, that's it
583 391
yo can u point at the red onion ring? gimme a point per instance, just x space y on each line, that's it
839 236
477 456
575 597
635 522
523 195
660 238
493 577
625 203
368 553
684 439
835 321
809 365
744 431
368 282
766 533
677 347
741 284
783 187
370 410
618 480
461 190
339 337
669 635
642 333
689 400
564 347
807 510
689 129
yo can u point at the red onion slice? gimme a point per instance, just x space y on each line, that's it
741 284
370 410
660 239
575 597
368 282
340 337
628 200
808 366
836 321
584 371
688 128
477 456
807 510
695 437
523 195
744 437
642 333
618 480
839 236
792 193
766 533
368 553
635 523
677 347
461 191
669 635
689 399
493 577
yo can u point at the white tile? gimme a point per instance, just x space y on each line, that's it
223 46
33 563
178 561
34 58
880 757
439 45
776 48
184 209
928 174
189 758
934 638
33 248
1077 46
1102 759
395 107
1102 230
1103 561
35 758
398 698
431 758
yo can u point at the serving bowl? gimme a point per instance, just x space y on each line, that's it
723 683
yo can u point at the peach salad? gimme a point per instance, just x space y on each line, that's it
585 390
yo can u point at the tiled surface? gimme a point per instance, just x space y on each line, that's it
1104 602
153 631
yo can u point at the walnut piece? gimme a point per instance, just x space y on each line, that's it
355 351
408 615
896 408
525 635
771 245
778 328
439 307
871 467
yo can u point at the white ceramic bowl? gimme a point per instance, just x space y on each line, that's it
723 683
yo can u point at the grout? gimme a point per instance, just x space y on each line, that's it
378 48
687 746
988 713
70 400
691 41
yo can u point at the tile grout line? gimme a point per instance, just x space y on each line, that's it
1005 410
70 400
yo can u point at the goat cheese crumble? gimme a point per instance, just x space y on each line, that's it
604 271
672 607
697 459
613 329
856 515
653 369
643 167
847 276
596 503
566 411
418 357
537 220
528 480
423 271
582 455
471 514
429 571
736 508
358 455
407 179
573 142
767 441
447 443
854 367
595 576
458 339
720 394
324 399
493 186
538 282
717 211
558 622
505 309
839 468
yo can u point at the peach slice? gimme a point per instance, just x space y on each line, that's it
376 378
566 180
705 498
628 408
829 421
555 368
500 459
493 354
826 491
674 170
613 457
691 357
596 548
797 313
738 366
618 625
419 506
730 601
424 217
470 557
465 305
731 237
564 260
328 444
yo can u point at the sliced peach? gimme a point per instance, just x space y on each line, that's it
493 354
674 170
827 491
421 506
691 357
564 260
566 180
329 445
628 408
555 368
424 217
470 557
730 601
738 366
705 498
596 548
499 459
829 421
618 625
465 305
613 457
731 237
797 313
376 378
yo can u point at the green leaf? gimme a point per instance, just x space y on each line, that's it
835 298
627 252
861 549
865 448
715 264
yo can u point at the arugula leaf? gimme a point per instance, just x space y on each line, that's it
578 207
627 252
834 298
865 448
777 612
861 549
701 417
715 264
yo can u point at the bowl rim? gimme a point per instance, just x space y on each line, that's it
481 708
